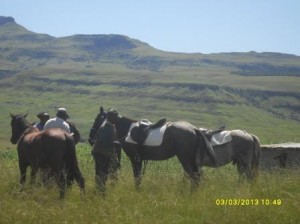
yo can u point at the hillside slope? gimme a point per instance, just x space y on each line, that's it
258 92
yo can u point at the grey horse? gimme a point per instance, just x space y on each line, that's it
243 150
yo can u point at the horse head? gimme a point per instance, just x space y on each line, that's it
101 116
18 125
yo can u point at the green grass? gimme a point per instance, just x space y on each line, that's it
164 197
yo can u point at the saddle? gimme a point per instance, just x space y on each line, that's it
210 133
140 133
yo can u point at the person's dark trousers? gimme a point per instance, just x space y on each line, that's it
103 167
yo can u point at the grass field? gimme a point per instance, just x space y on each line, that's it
164 197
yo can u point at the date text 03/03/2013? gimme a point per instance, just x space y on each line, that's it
247 202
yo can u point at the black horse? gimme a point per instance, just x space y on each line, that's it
95 128
181 139
52 149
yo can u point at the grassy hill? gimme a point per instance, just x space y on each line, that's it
258 92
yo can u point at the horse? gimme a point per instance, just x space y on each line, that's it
243 151
52 149
96 125
181 139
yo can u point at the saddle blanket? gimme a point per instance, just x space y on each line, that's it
220 138
154 138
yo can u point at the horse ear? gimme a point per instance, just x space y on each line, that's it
101 110
25 115
11 115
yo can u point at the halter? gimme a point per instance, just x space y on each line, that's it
98 122
20 127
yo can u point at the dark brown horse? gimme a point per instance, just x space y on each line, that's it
52 149
181 139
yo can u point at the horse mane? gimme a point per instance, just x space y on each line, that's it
123 125
127 119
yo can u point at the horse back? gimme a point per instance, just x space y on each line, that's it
243 144
56 134
45 148
54 143
240 136
32 138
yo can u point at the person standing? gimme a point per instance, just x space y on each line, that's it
44 117
104 151
58 122
62 113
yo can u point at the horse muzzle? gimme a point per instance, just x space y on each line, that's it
13 140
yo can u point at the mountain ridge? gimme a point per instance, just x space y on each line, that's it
10 20
25 49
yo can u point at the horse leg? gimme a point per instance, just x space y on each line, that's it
244 169
69 179
192 171
47 175
255 157
61 182
23 168
119 159
33 174
117 148
249 171
137 171
79 179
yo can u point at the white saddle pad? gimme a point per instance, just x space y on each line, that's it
220 138
154 138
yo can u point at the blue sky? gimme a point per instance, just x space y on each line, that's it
209 26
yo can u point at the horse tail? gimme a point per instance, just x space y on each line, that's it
256 156
200 152
71 163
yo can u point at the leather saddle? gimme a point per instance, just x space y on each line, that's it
140 133
210 133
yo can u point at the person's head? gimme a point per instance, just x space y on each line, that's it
112 115
62 113
43 116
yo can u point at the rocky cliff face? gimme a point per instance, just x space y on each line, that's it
4 20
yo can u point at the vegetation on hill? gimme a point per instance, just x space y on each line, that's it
258 92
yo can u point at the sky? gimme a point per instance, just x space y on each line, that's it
191 26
